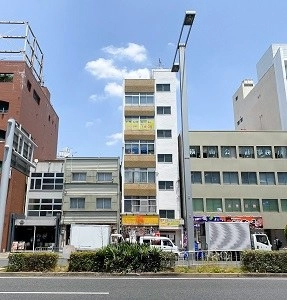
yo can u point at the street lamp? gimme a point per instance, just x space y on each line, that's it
186 176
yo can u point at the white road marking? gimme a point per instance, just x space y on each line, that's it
59 293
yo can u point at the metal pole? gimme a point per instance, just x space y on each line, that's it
6 165
185 148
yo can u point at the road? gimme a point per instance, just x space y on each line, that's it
152 288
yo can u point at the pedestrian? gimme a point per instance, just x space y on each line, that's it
277 243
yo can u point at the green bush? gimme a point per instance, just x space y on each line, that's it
264 261
121 258
28 262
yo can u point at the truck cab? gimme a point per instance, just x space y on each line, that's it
260 241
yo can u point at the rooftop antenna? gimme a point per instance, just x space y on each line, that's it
160 65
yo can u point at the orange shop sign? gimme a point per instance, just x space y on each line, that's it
140 220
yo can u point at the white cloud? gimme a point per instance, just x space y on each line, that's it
89 124
134 52
171 45
138 74
114 139
97 98
113 89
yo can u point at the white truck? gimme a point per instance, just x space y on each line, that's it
92 237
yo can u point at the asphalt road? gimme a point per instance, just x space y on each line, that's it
120 288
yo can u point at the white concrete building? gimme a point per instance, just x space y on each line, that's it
263 106
150 168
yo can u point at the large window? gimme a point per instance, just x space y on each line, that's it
166 214
2 135
104 203
214 205
163 87
270 205
248 178
47 181
139 123
251 205
196 177
79 176
139 147
6 77
4 106
246 151
165 185
284 205
105 176
167 158
264 151
280 151
228 151
164 133
139 99
282 178
194 151
230 178
163 110
197 204
44 207
142 204
267 178
212 177
210 151
140 175
232 205
36 97
77 203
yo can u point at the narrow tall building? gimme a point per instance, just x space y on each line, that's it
24 97
150 168
263 106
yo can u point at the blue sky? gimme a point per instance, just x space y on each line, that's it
89 46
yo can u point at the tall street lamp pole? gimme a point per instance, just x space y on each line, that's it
185 157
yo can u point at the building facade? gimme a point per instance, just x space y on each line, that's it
263 106
24 97
91 193
150 165
240 175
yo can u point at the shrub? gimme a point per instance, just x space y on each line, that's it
27 262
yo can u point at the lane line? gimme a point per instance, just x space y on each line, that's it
58 293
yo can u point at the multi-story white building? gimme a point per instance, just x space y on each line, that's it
150 167
263 106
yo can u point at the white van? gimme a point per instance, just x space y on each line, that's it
163 243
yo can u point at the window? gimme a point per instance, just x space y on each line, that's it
230 178
140 175
163 87
139 147
77 203
270 205
194 151
140 204
264 152
135 99
47 181
228 151
267 178
214 205
29 85
282 178
232 205
163 110
164 134
166 214
165 185
105 176
139 123
6 77
44 207
36 97
4 106
210 151
246 151
284 204
251 205
81 176
104 203
197 204
164 158
248 178
212 177
196 177
280 151
2 135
